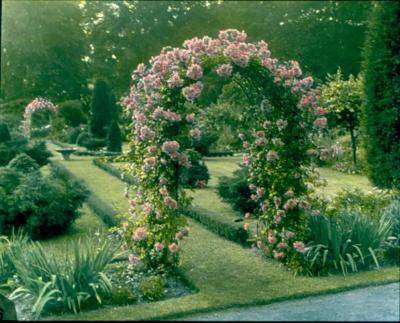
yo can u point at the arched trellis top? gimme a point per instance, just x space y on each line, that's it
162 100
38 104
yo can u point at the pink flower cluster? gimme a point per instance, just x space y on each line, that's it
170 147
139 234
195 133
195 72
193 91
175 80
224 70
146 133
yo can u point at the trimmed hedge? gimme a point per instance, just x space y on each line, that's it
102 209
114 171
219 153
382 95
230 231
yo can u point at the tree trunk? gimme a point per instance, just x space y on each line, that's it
353 145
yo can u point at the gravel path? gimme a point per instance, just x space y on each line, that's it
378 303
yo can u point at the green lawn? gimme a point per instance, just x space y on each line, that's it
225 273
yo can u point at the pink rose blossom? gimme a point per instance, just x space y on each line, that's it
224 70
195 133
170 147
260 244
320 122
246 160
133 259
247 215
139 234
163 191
299 246
278 255
278 219
193 91
194 72
246 226
173 247
169 201
290 204
271 239
190 117
158 246
272 155
152 149
175 81
147 208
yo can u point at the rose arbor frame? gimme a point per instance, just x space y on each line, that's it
38 104
162 101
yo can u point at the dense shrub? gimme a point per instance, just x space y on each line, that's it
23 163
72 113
69 283
39 153
114 139
347 242
382 95
19 144
72 133
152 288
235 191
196 175
90 142
42 206
355 200
41 132
204 143
4 133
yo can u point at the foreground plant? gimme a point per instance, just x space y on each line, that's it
346 242
54 284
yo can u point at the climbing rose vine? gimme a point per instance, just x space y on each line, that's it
38 104
163 104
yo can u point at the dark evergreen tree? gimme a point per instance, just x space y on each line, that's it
101 113
4 133
382 95
114 140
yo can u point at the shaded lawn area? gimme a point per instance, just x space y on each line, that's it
225 273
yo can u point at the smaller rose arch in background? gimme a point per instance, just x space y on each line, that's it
163 99
38 104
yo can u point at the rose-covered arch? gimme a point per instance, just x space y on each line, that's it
38 104
162 102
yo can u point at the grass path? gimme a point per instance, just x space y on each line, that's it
225 274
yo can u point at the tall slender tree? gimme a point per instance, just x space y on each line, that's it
382 95
101 110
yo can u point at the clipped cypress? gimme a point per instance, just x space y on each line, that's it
114 140
382 95
100 109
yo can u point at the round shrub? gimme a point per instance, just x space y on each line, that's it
23 163
42 206
89 142
152 288
235 191
72 112
196 175
4 133
82 137
39 153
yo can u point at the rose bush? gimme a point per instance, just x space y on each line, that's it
162 101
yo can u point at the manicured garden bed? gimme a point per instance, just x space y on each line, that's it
224 273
